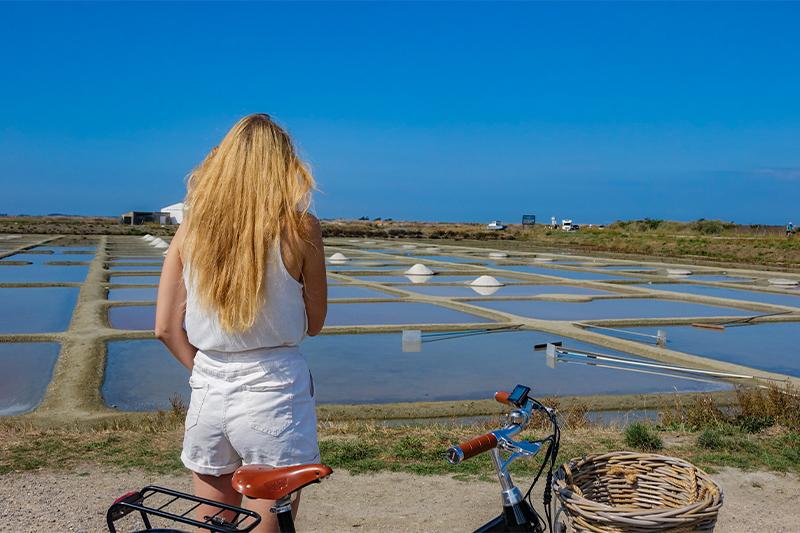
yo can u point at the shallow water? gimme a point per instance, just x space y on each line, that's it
349 291
613 308
722 292
372 368
437 278
25 371
36 309
731 279
771 347
395 313
568 274
157 376
135 280
450 259
148 294
626 267
40 272
137 317
507 290
143 267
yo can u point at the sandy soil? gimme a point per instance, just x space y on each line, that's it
76 501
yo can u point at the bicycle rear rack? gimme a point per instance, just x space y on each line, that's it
174 506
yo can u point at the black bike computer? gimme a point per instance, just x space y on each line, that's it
519 395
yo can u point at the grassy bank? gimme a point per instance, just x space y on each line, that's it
762 431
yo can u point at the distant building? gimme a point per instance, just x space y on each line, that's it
134 218
175 213
528 220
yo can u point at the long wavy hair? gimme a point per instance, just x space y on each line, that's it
247 192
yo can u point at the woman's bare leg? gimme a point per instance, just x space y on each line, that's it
217 488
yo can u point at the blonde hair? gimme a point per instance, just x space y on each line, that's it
245 193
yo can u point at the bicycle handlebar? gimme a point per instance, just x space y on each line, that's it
471 448
502 397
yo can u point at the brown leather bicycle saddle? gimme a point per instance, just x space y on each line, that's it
265 483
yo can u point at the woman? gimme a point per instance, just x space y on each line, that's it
245 276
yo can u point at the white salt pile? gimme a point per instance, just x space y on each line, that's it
782 282
498 255
485 281
678 272
338 257
419 270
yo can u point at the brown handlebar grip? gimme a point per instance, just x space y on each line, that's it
478 445
502 397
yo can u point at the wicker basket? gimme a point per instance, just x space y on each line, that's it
636 493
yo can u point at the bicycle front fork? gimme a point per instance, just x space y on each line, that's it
517 514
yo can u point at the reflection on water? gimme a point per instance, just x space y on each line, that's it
372 368
770 347
36 309
395 313
25 372
614 308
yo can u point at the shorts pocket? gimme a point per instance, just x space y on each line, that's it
269 407
199 392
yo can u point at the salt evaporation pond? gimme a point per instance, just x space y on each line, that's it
142 375
137 294
25 371
40 272
137 317
142 267
562 273
772 347
372 368
395 313
723 292
36 309
350 291
506 290
135 280
610 308
437 278
713 277
450 259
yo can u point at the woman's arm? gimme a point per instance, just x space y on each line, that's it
171 305
314 277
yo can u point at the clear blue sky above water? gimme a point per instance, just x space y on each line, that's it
445 111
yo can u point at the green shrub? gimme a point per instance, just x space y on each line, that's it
711 439
643 436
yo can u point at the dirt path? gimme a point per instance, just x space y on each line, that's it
76 501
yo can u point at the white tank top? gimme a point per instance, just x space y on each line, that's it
280 322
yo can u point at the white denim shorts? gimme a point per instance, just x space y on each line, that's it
254 407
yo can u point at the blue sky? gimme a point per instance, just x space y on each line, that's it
443 111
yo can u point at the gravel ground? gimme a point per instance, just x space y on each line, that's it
76 501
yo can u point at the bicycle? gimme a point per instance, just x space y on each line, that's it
279 484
